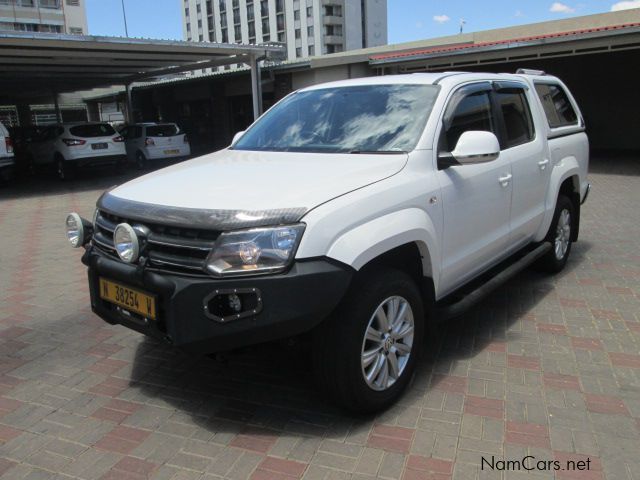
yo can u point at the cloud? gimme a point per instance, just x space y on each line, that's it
441 18
558 7
625 5
518 14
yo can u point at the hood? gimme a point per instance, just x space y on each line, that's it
247 181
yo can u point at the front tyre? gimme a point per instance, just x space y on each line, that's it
64 169
141 161
559 236
365 354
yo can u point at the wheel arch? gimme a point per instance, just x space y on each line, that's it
565 180
405 238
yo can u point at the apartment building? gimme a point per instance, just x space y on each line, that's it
307 27
52 16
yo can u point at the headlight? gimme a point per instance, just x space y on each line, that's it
75 230
259 250
126 243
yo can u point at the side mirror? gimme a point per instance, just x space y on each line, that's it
476 147
237 137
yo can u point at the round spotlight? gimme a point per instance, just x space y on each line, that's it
75 230
126 243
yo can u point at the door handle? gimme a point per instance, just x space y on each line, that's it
505 179
543 163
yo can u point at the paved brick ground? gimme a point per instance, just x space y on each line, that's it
547 367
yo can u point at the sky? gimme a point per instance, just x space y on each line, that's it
408 19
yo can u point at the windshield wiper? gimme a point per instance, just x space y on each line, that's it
380 152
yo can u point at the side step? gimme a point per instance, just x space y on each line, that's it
456 309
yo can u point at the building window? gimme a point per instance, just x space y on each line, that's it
250 13
298 52
298 33
199 24
237 31
50 28
73 3
223 6
201 37
236 3
186 12
309 11
198 8
265 27
333 10
49 3
264 8
280 21
296 15
236 16
223 20
75 31
334 30
279 6
225 36
281 37
312 50
252 29
188 27
310 31
21 3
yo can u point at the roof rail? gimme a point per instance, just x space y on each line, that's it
529 71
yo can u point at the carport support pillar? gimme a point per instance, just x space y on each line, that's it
256 86
56 104
128 104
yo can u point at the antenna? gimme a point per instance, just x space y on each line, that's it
463 22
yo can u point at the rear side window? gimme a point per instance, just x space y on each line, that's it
556 104
473 112
517 117
163 131
93 130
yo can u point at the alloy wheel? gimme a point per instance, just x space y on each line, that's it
387 343
563 234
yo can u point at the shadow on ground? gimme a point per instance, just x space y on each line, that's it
271 387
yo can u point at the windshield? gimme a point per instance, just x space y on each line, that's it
363 118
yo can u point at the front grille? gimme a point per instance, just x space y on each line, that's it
178 250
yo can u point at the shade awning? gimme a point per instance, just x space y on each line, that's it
34 64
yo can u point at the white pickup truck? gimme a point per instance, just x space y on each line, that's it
362 211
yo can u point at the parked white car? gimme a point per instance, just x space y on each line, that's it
71 146
154 141
7 158
362 211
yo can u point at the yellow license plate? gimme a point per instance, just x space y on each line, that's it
128 298
171 152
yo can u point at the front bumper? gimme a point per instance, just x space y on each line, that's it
292 302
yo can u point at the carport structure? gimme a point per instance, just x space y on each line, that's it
599 64
45 65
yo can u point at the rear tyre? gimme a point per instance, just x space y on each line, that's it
141 161
365 353
559 236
